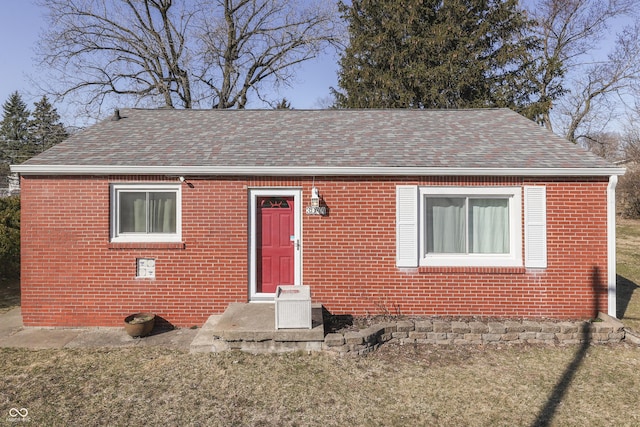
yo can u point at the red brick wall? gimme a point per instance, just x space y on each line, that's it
72 275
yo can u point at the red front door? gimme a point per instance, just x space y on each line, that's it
275 236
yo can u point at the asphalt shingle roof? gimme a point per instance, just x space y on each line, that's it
478 138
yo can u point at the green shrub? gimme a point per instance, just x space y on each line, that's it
9 237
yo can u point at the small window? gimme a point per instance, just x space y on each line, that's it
471 226
146 213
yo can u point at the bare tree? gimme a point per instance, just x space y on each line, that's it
607 145
123 47
631 144
247 41
179 53
628 193
590 103
570 31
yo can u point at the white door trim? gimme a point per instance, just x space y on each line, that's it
254 193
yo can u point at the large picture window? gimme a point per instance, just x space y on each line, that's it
466 225
145 213
470 226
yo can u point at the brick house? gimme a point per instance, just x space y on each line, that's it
414 212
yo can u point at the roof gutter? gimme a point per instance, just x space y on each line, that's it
28 169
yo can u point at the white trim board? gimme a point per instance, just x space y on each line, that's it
27 169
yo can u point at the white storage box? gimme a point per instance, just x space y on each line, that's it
293 307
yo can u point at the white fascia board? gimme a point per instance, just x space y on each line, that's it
26 169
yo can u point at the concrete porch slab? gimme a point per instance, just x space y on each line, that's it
256 322
41 338
251 327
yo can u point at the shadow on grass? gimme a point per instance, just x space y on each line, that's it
624 292
548 411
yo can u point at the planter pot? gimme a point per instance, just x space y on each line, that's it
139 324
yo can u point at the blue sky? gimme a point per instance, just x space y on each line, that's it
21 22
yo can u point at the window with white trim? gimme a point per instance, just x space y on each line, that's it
146 213
473 226
470 226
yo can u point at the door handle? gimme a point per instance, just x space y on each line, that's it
298 244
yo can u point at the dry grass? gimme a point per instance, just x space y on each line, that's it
396 386
628 269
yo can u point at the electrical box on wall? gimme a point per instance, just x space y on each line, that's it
146 268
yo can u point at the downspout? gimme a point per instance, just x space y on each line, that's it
611 244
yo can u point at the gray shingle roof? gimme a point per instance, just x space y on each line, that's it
336 139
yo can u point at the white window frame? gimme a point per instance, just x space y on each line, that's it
117 237
512 259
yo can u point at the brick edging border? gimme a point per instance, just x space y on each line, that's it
604 331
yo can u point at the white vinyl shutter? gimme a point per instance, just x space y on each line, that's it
407 225
535 227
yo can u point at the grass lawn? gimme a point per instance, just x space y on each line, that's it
628 269
395 386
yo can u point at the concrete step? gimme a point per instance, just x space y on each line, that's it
251 328
205 339
631 336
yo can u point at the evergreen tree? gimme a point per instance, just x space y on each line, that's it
14 128
45 128
23 136
435 54
5 170
283 105
9 237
